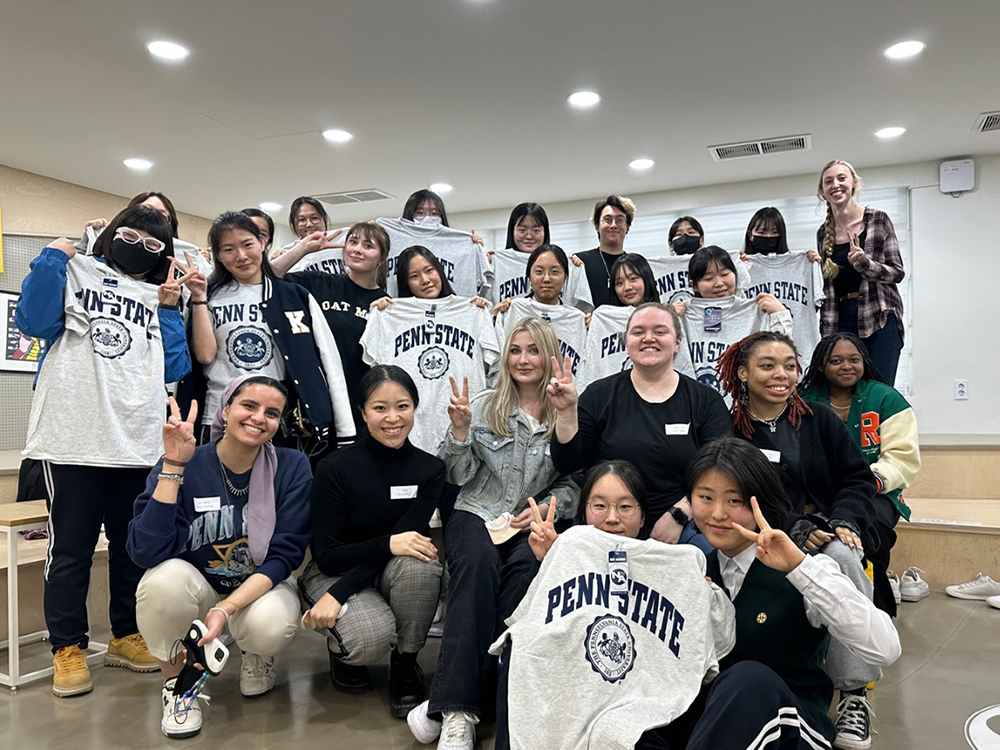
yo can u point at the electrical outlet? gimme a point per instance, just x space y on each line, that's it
961 390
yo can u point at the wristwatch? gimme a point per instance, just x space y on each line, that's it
678 515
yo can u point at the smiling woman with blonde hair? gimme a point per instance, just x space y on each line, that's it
496 450
861 267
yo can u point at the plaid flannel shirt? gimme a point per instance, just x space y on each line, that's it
881 269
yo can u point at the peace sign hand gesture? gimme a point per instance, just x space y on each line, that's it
178 435
459 411
855 254
774 548
543 533
561 389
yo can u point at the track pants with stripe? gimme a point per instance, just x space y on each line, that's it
82 499
748 707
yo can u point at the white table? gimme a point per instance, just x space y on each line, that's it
15 518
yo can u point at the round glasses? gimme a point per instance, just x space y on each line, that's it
622 510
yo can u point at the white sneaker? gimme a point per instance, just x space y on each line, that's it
994 601
256 675
179 722
980 588
458 731
913 588
894 585
436 629
425 730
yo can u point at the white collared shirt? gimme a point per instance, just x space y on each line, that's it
831 601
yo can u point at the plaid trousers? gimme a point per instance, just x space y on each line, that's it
396 612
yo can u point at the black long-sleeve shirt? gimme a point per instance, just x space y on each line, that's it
660 439
362 495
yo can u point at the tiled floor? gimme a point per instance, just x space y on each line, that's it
947 672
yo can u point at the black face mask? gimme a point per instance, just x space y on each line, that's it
685 244
133 260
763 244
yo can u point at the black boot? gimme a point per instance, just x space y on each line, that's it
406 684
349 679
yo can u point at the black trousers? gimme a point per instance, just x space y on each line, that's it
83 498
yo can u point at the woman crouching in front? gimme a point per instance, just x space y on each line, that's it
221 528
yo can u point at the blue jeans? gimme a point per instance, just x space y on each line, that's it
883 346
483 577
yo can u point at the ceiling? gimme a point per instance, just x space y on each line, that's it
473 93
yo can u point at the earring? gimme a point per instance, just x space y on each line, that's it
744 393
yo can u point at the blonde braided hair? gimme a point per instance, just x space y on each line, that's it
831 269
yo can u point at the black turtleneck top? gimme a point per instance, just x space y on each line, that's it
362 495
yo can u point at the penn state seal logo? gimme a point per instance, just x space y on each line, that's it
706 376
433 362
249 348
111 339
610 647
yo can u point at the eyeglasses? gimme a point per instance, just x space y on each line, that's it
623 510
307 220
609 221
533 231
132 237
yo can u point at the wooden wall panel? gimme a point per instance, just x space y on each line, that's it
957 472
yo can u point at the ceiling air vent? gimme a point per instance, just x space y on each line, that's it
350 197
745 150
987 122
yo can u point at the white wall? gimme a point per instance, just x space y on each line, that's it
955 323
956 310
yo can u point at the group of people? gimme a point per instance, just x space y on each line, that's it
338 395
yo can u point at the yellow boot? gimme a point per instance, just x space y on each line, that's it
72 676
130 653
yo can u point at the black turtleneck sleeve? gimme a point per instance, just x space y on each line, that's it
362 495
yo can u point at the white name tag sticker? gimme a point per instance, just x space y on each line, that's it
773 456
203 504
677 429
403 492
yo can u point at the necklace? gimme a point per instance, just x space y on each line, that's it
772 423
605 262
232 488
838 407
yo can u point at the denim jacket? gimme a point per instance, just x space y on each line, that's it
498 474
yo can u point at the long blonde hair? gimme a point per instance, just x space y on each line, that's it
504 397
831 269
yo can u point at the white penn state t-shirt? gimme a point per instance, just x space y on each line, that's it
245 345
432 340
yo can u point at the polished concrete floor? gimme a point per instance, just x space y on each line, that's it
947 672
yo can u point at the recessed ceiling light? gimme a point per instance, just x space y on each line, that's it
269 206
337 136
440 187
641 165
904 49
890 132
167 50
584 99
139 165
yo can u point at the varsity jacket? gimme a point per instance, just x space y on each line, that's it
882 424
313 370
